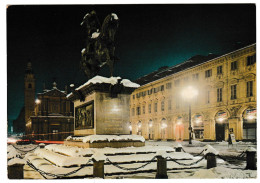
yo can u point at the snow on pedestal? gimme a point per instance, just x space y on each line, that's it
162 153
109 138
111 80
15 161
12 153
250 149
210 149
179 145
98 156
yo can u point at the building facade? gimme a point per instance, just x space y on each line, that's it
220 90
52 118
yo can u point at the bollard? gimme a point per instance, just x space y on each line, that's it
161 172
250 158
210 155
42 145
98 164
98 168
178 149
211 160
15 168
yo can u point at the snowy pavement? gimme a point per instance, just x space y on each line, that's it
63 159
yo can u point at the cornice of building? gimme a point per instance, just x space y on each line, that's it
192 67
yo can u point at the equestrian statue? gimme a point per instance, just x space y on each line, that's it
100 44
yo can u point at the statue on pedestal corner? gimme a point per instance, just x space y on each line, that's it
100 44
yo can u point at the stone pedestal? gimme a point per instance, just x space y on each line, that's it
161 168
15 171
211 160
98 169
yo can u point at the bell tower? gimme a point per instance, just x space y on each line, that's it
29 91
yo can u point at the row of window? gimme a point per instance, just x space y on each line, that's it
219 99
153 90
208 73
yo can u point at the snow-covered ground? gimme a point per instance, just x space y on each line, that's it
60 159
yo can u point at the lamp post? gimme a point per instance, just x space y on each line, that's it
188 94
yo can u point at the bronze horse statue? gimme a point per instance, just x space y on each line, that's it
100 45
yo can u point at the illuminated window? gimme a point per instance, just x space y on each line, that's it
233 92
162 105
150 108
138 111
234 65
219 69
219 94
249 89
208 73
251 60
155 107
168 85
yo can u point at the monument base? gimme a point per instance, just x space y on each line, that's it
101 141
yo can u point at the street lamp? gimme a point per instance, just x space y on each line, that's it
37 101
188 94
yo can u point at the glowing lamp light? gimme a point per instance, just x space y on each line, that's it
189 92
220 119
150 125
130 127
198 121
37 101
139 125
164 125
179 123
250 117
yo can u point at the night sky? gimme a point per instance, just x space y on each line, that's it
149 36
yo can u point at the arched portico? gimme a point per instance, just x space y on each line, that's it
179 128
221 125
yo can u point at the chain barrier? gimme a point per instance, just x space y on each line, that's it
239 157
179 163
124 168
25 151
183 149
56 175
199 153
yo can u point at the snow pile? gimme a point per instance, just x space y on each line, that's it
78 152
60 160
179 145
83 50
128 83
114 16
15 161
250 149
224 173
13 153
95 35
109 138
98 156
210 149
67 150
162 153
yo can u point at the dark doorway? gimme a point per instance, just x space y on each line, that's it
220 131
